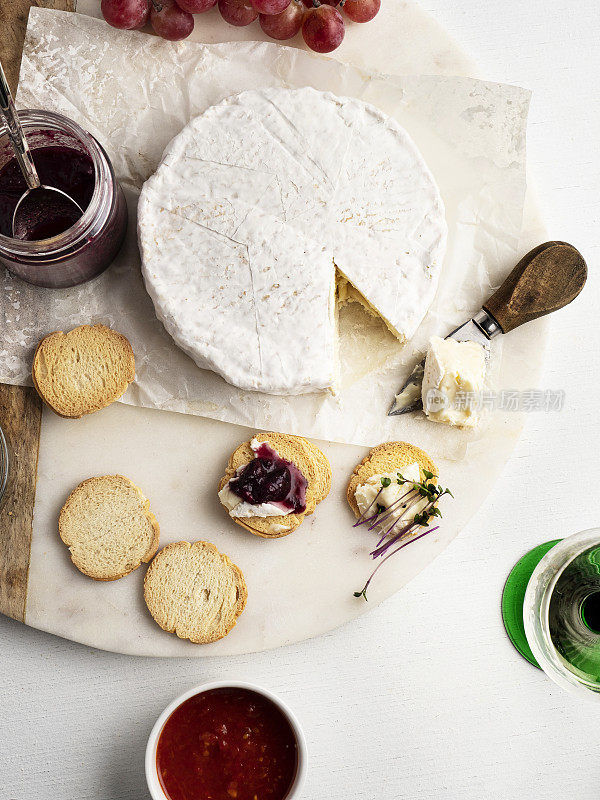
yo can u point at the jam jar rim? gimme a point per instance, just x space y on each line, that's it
94 216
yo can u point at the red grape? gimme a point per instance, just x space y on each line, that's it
270 6
126 14
361 10
196 6
323 29
284 25
237 12
170 21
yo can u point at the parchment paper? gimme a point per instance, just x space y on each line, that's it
134 93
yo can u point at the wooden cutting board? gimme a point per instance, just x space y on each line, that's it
20 407
38 584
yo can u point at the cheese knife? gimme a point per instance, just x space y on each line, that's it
548 278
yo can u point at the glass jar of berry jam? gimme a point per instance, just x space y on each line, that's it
66 158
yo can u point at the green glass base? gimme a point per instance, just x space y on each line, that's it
513 596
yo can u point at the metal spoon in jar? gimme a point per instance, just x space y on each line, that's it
37 196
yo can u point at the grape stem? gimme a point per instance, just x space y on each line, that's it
157 6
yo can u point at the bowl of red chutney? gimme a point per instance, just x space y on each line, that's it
226 741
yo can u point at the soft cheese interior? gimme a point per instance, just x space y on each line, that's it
453 379
252 208
239 508
373 496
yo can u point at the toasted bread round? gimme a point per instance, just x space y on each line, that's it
194 591
387 457
108 527
311 462
82 371
324 477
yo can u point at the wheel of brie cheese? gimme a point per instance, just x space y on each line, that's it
264 204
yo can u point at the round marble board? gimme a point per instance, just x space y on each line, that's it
299 586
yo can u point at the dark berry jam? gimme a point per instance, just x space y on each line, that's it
268 478
45 215
47 248
227 744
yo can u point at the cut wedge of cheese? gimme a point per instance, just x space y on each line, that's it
255 205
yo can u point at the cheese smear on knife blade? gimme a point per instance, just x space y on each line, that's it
255 205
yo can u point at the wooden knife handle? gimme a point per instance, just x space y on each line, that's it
546 279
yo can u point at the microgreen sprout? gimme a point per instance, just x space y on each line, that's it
404 530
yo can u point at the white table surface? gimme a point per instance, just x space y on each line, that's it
424 697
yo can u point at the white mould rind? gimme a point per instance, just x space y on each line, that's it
253 206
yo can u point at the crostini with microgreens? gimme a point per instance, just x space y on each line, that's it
395 492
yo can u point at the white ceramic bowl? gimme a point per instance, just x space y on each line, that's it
151 771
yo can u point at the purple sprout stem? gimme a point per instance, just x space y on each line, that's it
389 555
383 548
386 533
380 542
396 521
361 520
404 530
370 519
390 510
